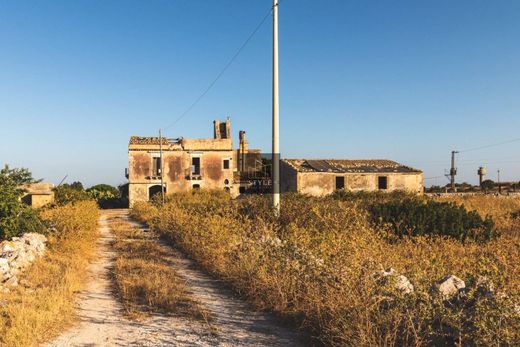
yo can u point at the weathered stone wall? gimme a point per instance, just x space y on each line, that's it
323 183
288 178
16 255
176 171
38 194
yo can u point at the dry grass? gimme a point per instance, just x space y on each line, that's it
315 264
44 305
145 279
500 208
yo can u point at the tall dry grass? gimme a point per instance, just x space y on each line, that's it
501 208
43 305
145 279
315 265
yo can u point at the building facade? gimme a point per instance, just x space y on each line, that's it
186 163
322 177
38 194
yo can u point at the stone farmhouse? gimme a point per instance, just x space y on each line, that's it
187 164
324 176
213 163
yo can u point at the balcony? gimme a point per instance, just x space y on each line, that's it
194 174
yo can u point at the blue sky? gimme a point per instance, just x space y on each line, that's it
403 80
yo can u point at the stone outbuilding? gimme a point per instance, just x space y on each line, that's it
324 176
38 194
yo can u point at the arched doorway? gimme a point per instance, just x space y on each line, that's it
154 190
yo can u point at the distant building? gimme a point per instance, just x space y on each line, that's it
186 163
324 176
38 194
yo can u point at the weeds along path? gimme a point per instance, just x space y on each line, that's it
103 322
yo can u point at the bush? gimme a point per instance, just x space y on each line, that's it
16 218
315 265
412 218
107 196
67 193
45 304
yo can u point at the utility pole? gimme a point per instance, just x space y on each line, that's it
276 109
453 171
498 181
161 165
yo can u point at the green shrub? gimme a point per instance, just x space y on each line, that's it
70 193
315 264
411 217
107 196
16 217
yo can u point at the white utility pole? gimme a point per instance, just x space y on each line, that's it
161 165
276 110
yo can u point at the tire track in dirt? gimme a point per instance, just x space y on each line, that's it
103 323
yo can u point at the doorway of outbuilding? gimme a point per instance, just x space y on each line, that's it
382 182
340 182
154 190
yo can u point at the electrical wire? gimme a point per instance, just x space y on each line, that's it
490 145
223 70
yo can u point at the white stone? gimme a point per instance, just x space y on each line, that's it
400 282
450 286
12 281
4 269
6 246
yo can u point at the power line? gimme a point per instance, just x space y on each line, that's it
224 69
490 145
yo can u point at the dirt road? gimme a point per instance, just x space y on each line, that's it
102 322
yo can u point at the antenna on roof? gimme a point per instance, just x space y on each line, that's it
64 178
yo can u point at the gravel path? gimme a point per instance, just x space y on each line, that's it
102 322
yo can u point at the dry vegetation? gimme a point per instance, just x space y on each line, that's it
145 279
501 208
315 265
44 304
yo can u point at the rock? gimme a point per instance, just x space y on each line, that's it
5 269
450 286
399 282
11 282
6 247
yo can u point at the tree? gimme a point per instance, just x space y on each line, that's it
16 217
76 186
107 196
66 193
488 185
103 189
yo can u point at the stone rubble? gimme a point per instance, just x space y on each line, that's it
450 286
400 282
16 255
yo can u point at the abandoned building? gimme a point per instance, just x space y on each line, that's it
38 194
187 164
322 177
213 163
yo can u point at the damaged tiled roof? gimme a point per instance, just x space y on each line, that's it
349 166
138 140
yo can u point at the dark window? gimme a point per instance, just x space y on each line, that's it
153 191
195 166
382 182
226 164
226 181
340 182
242 190
156 166
196 186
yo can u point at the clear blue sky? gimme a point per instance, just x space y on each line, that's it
403 80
